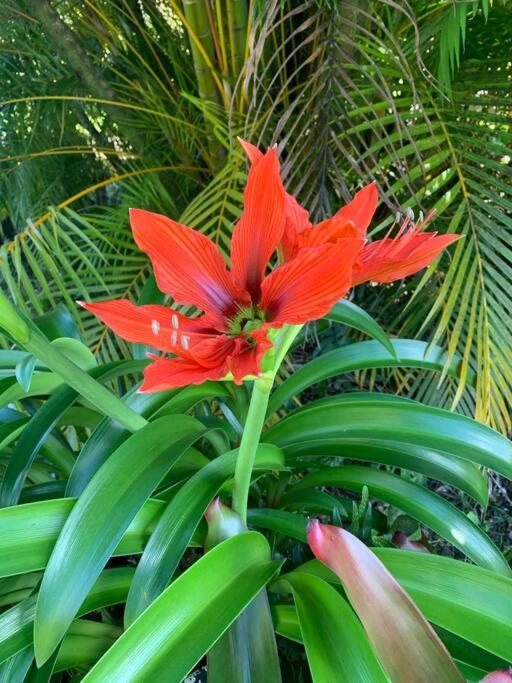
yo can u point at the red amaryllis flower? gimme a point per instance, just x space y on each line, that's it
240 305
384 260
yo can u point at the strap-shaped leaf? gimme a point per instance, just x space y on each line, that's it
167 640
348 313
178 522
16 624
472 602
100 517
424 505
110 434
337 647
407 353
364 416
43 421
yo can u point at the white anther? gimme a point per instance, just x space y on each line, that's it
409 213
184 341
420 217
398 216
155 327
174 338
174 321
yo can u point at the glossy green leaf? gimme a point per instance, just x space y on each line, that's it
347 313
42 423
286 621
447 468
405 643
167 640
363 416
76 351
407 353
472 602
178 522
14 669
58 323
84 643
25 370
109 434
30 531
16 624
418 502
336 645
42 384
287 523
247 650
100 517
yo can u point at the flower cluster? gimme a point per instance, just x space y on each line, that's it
242 305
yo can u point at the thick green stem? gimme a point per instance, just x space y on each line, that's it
55 360
256 419
249 444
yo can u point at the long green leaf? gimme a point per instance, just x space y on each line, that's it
470 601
347 313
98 520
178 522
336 645
367 417
30 531
42 423
408 353
424 505
165 642
16 624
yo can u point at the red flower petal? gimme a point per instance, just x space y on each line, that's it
251 150
327 232
247 359
296 224
390 259
157 326
296 216
361 209
187 264
169 373
260 228
307 287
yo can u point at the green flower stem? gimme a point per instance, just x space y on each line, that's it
55 360
256 419
249 444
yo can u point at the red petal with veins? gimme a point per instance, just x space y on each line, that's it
391 259
361 209
251 150
169 373
187 265
296 224
261 225
327 232
156 326
309 285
